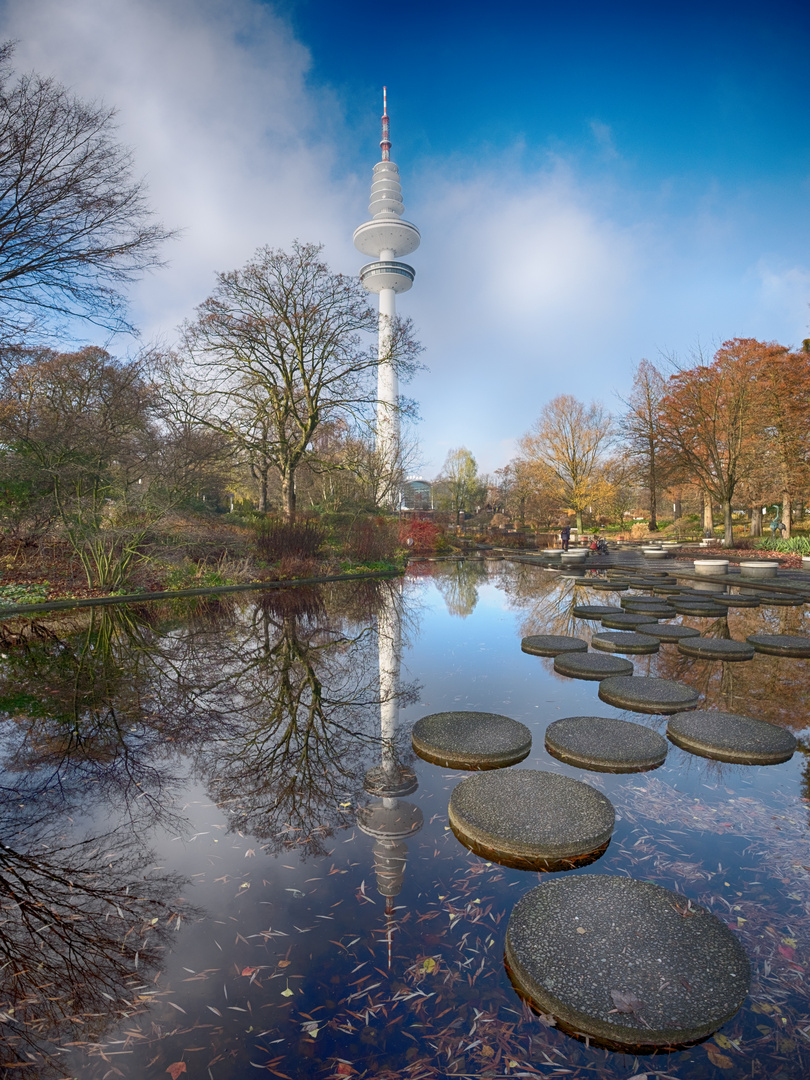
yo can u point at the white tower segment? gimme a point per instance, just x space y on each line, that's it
385 237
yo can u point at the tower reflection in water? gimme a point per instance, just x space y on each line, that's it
390 819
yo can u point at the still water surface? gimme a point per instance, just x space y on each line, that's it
187 890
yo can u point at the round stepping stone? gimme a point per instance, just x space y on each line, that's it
707 648
640 693
659 610
552 644
531 819
627 620
729 737
625 641
595 611
781 644
666 590
605 744
591 666
770 599
625 962
607 586
730 600
702 608
669 633
640 603
471 740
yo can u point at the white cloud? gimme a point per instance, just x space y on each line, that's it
212 97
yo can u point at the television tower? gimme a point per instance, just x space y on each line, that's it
385 237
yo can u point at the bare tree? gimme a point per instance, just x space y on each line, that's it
75 226
458 486
564 448
278 350
641 427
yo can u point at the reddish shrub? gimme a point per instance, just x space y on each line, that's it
372 540
427 537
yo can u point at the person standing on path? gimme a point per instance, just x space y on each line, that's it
565 536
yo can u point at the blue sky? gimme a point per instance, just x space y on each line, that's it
595 183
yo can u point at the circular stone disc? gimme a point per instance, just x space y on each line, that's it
729 737
639 603
471 740
625 962
595 611
605 744
552 644
625 641
658 609
706 648
729 600
780 644
687 606
608 586
627 621
591 666
779 599
531 819
640 693
671 633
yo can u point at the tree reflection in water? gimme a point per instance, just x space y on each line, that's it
292 743
458 582
83 920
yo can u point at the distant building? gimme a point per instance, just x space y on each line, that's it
417 494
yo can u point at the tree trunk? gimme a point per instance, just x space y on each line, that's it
787 513
579 523
708 519
653 498
728 528
676 507
288 495
756 520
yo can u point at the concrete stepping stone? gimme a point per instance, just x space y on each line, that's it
607 586
781 644
667 590
770 599
731 737
625 641
707 648
730 600
639 693
636 602
657 608
671 632
595 611
605 743
625 962
591 666
627 620
702 608
531 819
552 644
471 740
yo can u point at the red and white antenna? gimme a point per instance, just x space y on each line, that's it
385 142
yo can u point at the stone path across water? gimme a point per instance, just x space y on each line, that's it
640 693
625 641
731 737
471 740
708 648
552 644
612 958
531 819
781 644
591 666
605 744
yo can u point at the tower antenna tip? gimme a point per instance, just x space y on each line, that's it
385 101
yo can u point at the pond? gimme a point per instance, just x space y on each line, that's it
198 879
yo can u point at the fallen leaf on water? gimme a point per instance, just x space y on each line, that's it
722 1041
249 970
428 964
176 1069
717 1059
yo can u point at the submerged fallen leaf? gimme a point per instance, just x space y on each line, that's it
429 964
176 1069
717 1059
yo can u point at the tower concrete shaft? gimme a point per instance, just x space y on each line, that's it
385 237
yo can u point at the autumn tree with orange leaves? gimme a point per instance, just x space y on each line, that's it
711 415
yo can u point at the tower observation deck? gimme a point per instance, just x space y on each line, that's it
385 238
